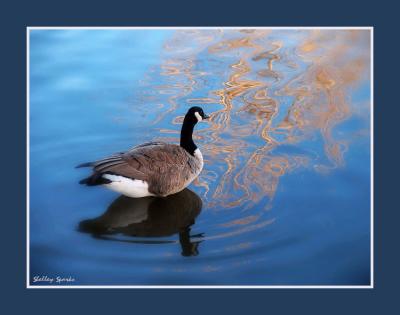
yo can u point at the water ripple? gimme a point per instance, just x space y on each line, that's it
258 87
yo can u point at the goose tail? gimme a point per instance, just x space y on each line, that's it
87 164
94 180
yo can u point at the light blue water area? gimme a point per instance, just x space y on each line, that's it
305 218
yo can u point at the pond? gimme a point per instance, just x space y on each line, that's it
284 196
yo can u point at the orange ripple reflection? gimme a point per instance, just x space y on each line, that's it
269 92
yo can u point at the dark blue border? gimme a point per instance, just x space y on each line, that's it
14 19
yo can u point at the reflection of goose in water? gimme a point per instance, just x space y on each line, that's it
149 217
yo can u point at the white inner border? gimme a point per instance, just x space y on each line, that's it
370 286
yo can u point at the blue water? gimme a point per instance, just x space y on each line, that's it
284 197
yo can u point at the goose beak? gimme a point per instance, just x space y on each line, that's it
206 116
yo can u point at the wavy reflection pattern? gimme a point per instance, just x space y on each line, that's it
265 90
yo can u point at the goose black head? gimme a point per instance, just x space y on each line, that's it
196 114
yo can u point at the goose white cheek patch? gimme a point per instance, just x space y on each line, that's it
199 118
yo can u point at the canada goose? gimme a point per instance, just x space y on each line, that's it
153 168
149 217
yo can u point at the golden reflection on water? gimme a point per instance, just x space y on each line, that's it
262 91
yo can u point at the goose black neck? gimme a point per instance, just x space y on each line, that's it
186 135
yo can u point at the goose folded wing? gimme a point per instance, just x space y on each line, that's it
145 162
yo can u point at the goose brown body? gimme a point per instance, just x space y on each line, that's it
153 168
165 168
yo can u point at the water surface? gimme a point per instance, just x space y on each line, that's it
284 197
